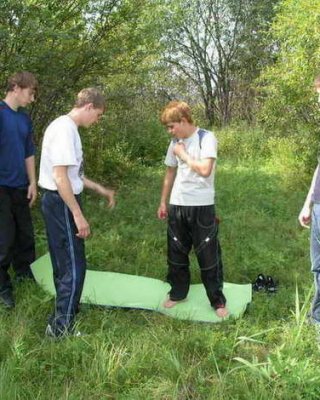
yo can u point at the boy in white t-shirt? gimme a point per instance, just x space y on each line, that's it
62 178
189 178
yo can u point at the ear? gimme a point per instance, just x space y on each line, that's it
88 106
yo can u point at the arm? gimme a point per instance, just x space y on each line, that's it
201 167
166 189
103 191
60 176
305 213
31 172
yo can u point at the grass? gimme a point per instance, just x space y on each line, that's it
269 353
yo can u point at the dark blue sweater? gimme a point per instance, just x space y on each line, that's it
16 144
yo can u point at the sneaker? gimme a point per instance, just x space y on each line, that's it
6 298
271 287
260 283
50 333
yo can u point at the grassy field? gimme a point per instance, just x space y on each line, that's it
270 353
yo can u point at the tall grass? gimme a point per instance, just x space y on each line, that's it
269 353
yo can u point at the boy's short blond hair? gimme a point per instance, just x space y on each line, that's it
23 80
175 111
90 95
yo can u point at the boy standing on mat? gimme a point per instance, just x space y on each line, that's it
190 161
18 186
310 213
62 178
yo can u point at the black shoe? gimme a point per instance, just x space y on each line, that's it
6 298
28 275
260 283
271 287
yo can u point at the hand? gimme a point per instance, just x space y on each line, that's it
32 194
109 194
179 149
305 217
82 226
162 211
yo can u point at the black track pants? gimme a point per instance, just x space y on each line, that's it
194 226
17 245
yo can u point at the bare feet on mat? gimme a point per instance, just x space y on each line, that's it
222 311
171 303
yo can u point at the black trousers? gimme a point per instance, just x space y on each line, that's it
194 226
68 260
17 245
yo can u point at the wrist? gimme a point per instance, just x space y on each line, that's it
187 159
76 212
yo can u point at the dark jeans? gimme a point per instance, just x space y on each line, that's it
67 254
194 226
17 245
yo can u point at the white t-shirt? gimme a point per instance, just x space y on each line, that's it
189 188
62 146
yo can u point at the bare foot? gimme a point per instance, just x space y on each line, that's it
222 312
171 303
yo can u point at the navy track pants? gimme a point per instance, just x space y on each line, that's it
67 253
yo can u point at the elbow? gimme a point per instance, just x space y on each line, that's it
205 173
58 179
204 169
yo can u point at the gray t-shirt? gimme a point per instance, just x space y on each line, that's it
189 188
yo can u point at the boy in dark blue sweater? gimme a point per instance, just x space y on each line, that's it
18 189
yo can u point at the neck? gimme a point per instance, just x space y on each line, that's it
11 100
190 131
75 116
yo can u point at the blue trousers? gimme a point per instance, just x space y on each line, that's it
67 254
315 260
194 226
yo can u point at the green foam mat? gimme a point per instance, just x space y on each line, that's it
114 289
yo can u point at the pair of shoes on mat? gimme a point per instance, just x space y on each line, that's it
266 283
50 333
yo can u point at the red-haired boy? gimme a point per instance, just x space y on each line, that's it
189 180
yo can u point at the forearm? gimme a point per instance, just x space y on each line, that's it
96 187
31 169
308 200
65 190
108 193
167 184
201 167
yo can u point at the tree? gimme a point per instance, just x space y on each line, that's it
287 85
71 44
211 43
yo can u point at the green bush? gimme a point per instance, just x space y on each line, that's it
242 143
286 86
296 152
